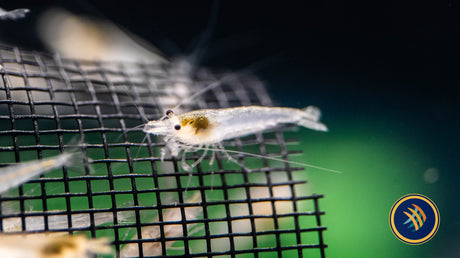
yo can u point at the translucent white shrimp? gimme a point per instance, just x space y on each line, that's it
60 222
17 174
207 128
40 245
13 14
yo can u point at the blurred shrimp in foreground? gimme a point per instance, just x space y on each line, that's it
17 174
89 38
41 245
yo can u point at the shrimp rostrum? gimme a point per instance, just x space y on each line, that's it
207 128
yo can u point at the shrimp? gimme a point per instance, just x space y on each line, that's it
51 245
13 14
17 174
209 127
59 222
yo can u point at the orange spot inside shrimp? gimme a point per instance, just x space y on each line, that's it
60 245
198 122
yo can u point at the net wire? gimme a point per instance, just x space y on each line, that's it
121 189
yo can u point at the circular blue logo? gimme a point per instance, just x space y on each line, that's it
414 219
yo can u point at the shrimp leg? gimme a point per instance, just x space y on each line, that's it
205 151
222 149
184 164
213 157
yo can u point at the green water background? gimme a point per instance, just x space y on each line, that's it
383 142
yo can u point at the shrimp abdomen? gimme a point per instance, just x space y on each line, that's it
236 122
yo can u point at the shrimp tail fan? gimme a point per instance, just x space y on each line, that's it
310 119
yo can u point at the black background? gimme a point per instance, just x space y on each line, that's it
398 54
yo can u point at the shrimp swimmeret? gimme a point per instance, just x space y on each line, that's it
206 129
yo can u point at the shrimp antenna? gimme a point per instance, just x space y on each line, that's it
141 112
207 33
246 70
274 159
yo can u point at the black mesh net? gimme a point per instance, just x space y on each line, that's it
120 189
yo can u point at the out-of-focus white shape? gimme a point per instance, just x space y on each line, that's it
88 38
51 246
17 174
170 230
13 14
60 222
431 175
268 209
179 83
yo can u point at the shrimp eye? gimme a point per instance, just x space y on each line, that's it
177 127
169 112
